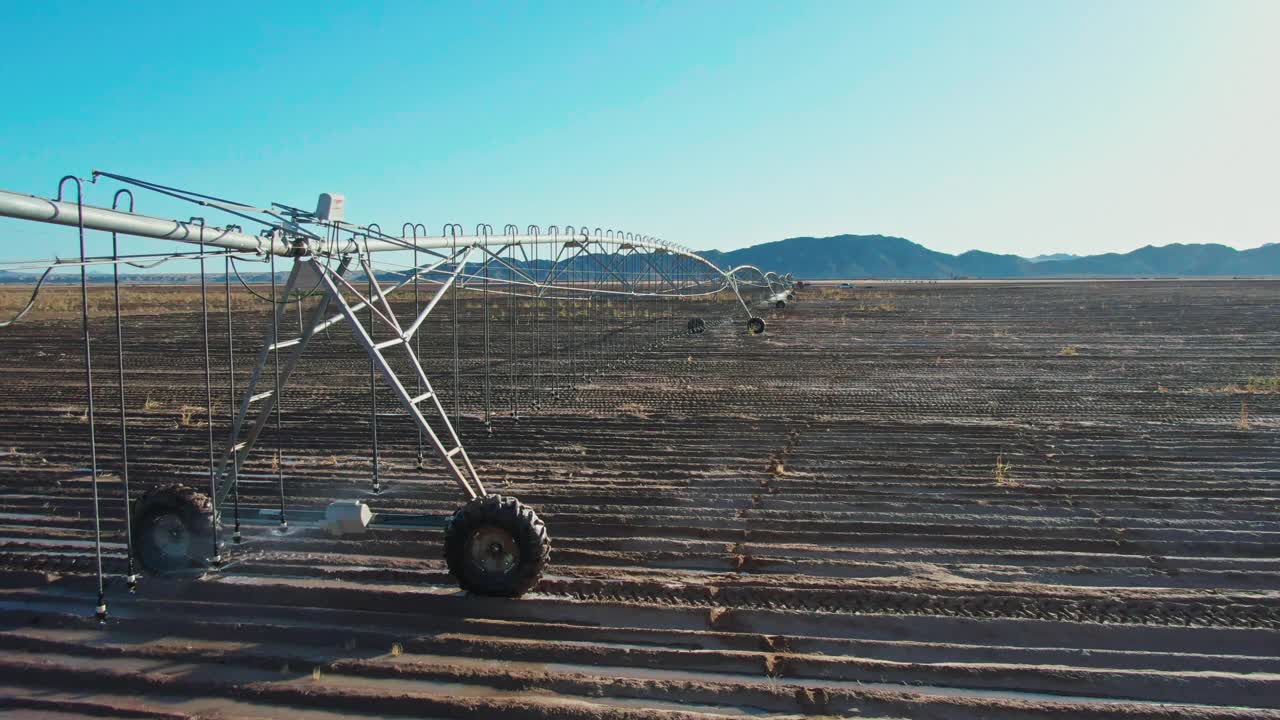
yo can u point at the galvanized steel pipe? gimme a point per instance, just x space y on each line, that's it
31 207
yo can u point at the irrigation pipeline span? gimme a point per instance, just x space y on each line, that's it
360 239
494 545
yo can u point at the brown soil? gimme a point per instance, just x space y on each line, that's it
910 501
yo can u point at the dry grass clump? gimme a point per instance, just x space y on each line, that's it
634 410
1255 385
828 292
1002 471
1263 384
26 459
1069 351
867 301
187 416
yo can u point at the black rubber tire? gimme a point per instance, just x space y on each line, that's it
527 532
780 304
755 326
697 326
188 512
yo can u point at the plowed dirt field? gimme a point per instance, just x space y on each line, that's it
1048 500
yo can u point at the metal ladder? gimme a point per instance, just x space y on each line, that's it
419 407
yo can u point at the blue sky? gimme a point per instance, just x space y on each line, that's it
1022 127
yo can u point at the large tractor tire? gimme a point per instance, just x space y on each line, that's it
497 546
172 529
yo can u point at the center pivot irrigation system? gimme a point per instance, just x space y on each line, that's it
587 300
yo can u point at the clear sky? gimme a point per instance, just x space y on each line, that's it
1022 126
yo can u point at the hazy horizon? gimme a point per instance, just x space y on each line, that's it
188 267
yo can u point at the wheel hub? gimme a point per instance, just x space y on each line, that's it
493 550
170 535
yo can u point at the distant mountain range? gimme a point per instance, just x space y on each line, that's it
882 256
1054 256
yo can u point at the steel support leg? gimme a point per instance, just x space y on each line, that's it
463 472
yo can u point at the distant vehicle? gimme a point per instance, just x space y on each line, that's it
846 285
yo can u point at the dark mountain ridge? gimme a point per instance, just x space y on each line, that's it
882 256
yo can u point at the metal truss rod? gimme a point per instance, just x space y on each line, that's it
470 485
435 299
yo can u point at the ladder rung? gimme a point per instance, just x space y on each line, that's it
420 398
286 343
454 451
388 343
261 396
